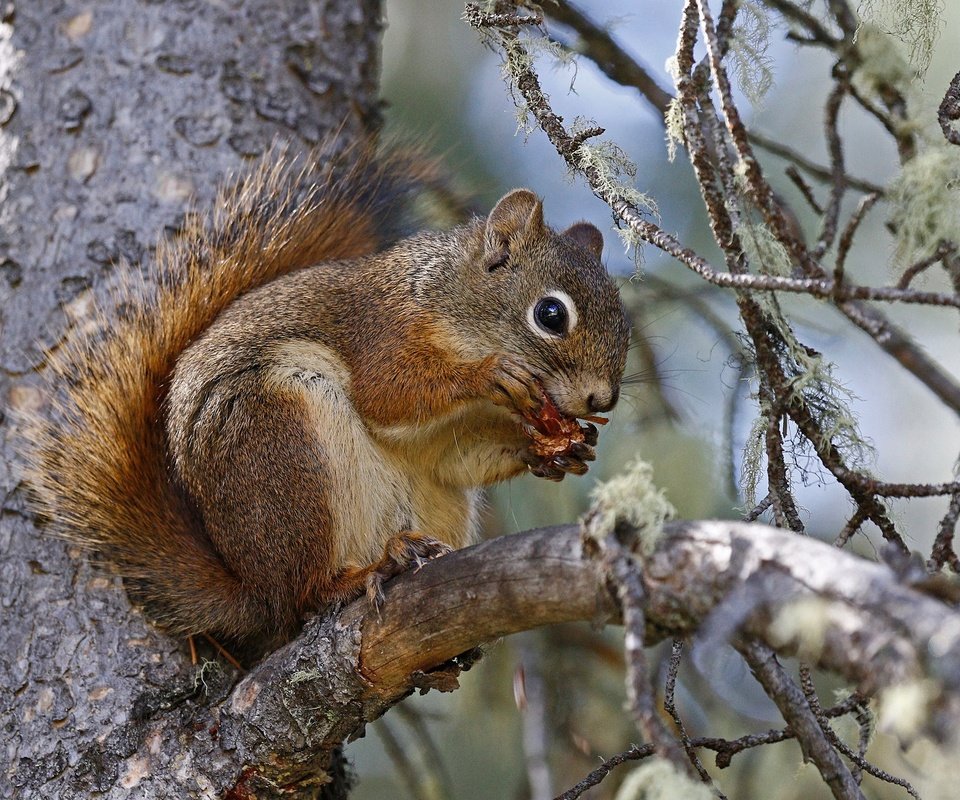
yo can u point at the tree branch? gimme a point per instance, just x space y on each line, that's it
349 668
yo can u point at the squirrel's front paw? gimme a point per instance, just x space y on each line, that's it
554 467
403 551
515 386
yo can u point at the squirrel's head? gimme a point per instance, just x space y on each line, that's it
544 296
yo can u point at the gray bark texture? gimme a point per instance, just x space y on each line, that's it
112 115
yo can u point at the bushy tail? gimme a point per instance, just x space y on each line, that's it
97 463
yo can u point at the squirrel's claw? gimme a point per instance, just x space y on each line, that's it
374 584
515 386
403 550
547 470
583 451
555 467
568 464
590 433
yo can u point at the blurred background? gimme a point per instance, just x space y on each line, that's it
688 411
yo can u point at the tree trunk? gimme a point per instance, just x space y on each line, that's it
112 116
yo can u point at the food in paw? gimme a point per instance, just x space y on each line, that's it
554 434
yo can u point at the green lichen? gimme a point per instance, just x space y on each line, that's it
915 23
803 624
658 779
633 499
674 128
810 380
865 720
926 202
519 56
615 174
763 250
207 672
752 464
904 709
828 400
305 675
882 65
749 41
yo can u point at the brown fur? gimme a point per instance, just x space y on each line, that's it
247 454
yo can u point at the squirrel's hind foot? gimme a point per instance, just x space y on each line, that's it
403 550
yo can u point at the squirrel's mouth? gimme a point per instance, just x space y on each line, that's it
550 409
553 432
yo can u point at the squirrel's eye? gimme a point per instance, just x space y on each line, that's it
551 315
554 315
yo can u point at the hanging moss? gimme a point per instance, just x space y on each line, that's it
674 128
812 382
763 250
926 202
752 462
519 56
615 175
915 23
749 41
882 65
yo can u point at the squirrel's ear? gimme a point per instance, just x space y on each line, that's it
518 212
587 236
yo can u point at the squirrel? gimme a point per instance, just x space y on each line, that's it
311 399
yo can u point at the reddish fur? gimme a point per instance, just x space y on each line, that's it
410 377
187 410
100 471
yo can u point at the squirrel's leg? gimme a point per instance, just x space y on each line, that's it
403 550
298 500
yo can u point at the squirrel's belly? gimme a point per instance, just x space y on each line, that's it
374 491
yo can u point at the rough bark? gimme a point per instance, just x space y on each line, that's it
722 580
110 117
278 725
112 114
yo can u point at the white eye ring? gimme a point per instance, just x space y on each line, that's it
571 309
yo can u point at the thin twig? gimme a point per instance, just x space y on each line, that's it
431 759
797 713
897 344
619 565
864 729
837 170
600 47
806 684
949 111
757 185
805 189
911 272
906 147
725 749
853 525
813 26
497 19
784 508
943 551
669 704
811 167
846 238
606 767
758 509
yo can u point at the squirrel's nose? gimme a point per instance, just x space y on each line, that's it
603 401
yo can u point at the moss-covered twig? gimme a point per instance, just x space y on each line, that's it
949 111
